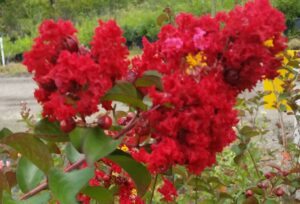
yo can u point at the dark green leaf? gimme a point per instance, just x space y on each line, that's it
65 186
136 170
28 175
100 194
126 93
94 143
5 132
32 148
150 78
50 131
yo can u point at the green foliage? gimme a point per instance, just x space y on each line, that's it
30 147
28 175
100 194
136 170
65 186
291 10
126 93
93 142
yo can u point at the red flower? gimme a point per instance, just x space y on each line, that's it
109 50
168 191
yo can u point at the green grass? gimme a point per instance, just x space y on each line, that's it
13 69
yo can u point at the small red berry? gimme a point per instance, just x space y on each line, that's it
249 193
122 121
105 122
106 177
67 125
131 76
269 175
279 192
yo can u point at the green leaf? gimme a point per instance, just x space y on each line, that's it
126 93
77 137
282 108
94 143
136 170
271 201
65 186
72 154
32 148
248 131
28 175
100 194
5 132
50 131
40 198
4 185
150 78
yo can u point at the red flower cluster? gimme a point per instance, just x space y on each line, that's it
205 63
194 122
168 190
72 79
241 45
113 175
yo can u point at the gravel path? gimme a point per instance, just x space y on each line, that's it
13 90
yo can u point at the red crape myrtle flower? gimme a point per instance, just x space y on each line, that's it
205 63
168 190
194 122
72 79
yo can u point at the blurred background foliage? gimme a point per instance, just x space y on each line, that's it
19 19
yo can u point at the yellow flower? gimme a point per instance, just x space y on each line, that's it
134 192
269 43
124 148
195 61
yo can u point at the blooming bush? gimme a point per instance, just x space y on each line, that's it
181 94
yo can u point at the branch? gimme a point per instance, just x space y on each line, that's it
44 184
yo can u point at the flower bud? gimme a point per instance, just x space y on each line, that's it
269 175
104 122
67 125
249 193
70 44
279 192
